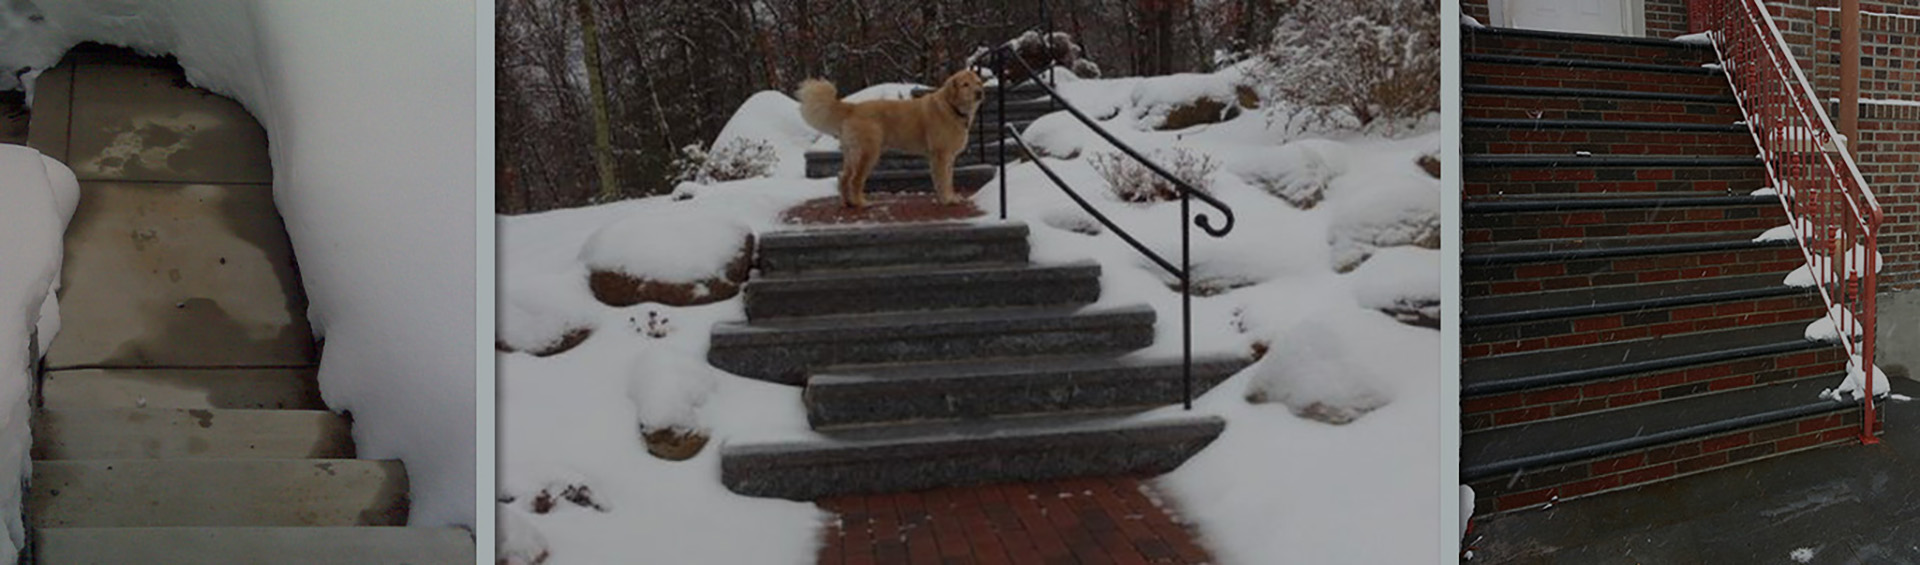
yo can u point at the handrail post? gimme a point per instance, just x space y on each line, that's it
1186 304
1000 121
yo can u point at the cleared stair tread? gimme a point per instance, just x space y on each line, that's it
1558 124
1707 49
1004 369
1586 64
1615 246
1583 161
1560 92
1517 307
953 320
899 275
155 433
887 235
183 388
1505 373
1610 201
1502 450
282 545
880 443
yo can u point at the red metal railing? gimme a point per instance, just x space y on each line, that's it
1833 213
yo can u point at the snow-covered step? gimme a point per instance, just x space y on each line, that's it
916 457
783 350
218 492
892 246
843 396
943 288
286 389
283 546
171 433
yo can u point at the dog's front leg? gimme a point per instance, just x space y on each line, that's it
943 176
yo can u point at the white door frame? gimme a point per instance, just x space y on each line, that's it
1636 15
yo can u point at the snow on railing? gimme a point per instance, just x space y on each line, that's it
1833 214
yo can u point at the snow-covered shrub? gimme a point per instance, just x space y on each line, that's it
1328 367
738 158
1403 282
1185 100
1297 172
1384 218
668 388
1134 182
1039 53
1364 60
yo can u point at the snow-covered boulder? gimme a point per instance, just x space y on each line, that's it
1403 282
1380 219
668 388
1185 100
1339 364
677 255
1298 172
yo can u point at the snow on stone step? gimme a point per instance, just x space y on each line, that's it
218 492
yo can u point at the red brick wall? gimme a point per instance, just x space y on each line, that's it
1889 151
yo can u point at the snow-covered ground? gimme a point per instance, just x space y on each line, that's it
1330 228
369 109
40 195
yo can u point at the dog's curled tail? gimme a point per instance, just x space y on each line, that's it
820 105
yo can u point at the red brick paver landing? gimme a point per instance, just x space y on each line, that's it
881 208
1070 522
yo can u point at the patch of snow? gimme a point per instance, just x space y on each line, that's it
1824 328
40 194
772 117
1821 269
1765 191
517 541
1702 38
1854 386
681 242
1801 555
1468 21
1777 233
1397 277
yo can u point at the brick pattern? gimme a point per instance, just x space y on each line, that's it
1534 487
1093 520
1516 141
1478 9
1890 160
1494 44
1576 331
1507 409
1486 280
1613 110
1495 181
1554 224
1508 74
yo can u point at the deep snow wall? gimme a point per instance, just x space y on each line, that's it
369 109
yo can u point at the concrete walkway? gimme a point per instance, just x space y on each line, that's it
179 416
1844 504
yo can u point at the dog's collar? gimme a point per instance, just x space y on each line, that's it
956 110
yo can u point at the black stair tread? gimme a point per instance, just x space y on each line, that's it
1588 37
922 322
1561 92
1587 64
1503 450
1611 201
1532 369
1505 308
887 442
1558 124
880 175
1584 161
891 234
833 278
1590 247
1004 368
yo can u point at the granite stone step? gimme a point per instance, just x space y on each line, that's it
915 457
944 288
842 396
172 433
830 249
785 350
283 545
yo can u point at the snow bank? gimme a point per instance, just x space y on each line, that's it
673 244
40 194
772 117
369 107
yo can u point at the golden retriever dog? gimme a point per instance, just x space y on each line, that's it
934 126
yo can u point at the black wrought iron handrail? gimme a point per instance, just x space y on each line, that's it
1186 192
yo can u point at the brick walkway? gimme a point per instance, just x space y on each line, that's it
1075 521
881 208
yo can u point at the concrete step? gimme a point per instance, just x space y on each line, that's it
843 396
218 492
1526 136
784 350
1542 43
798 251
169 433
917 457
287 546
1509 176
942 288
1551 103
285 389
1510 70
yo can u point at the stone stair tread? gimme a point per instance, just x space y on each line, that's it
155 433
1592 93
893 394
1572 160
281 545
1615 246
906 274
1707 50
864 441
1610 201
1006 368
1506 308
293 389
884 235
1470 58
1497 451
1559 124
897 323
218 492
1520 371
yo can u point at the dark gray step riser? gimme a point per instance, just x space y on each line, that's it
766 301
1515 141
826 167
1517 181
904 182
1663 321
843 404
1546 402
909 254
1564 274
1497 44
1571 224
1512 106
789 363
1532 487
978 461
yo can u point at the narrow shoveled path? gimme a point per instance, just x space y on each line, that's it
179 419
